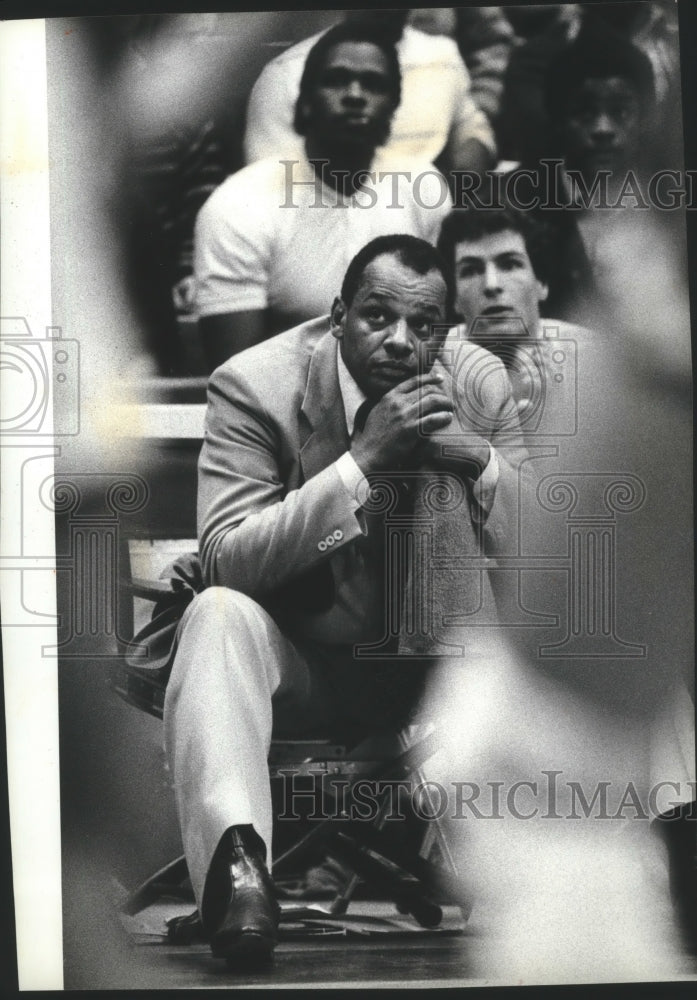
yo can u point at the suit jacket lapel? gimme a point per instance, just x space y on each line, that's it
324 409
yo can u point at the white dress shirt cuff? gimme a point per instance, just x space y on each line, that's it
356 485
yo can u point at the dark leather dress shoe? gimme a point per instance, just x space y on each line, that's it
248 930
679 832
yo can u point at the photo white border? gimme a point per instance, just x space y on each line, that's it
31 679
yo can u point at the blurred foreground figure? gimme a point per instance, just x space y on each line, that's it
571 731
163 112
567 878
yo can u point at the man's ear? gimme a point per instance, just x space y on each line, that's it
542 291
337 317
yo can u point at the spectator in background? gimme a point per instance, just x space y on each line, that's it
438 116
485 38
544 30
499 259
599 100
273 240
600 97
653 28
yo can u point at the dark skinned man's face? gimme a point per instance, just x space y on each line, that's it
351 104
387 334
602 126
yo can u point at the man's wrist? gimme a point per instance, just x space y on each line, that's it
362 458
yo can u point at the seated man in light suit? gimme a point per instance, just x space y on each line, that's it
293 562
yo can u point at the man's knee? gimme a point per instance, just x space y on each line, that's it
218 607
218 630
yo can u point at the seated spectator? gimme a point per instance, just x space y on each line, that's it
484 37
274 239
599 98
653 28
437 116
544 31
500 262
486 40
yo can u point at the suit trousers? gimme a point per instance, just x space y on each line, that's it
236 677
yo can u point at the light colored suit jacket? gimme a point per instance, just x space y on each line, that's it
269 492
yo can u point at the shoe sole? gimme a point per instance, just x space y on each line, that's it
247 950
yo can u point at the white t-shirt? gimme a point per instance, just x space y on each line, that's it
436 99
273 237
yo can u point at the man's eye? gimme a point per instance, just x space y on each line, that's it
510 264
621 112
375 315
468 271
376 84
421 326
335 78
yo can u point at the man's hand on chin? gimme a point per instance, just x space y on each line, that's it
399 421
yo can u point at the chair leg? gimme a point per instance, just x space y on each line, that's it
435 834
403 765
340 904
432 876
391 879
165 881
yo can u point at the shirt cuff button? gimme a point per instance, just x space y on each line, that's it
322 546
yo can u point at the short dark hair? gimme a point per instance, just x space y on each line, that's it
410 251
597 53
474 224
347 31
